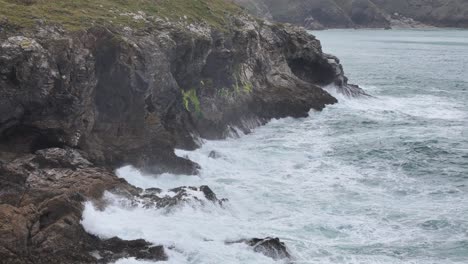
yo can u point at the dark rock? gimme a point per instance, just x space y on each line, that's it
76 105
111 250
270 247
155 198
128 97
214 154
41 202
58 157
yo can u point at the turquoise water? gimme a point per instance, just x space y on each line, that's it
379 180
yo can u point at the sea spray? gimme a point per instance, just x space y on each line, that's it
371 180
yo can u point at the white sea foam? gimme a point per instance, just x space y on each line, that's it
377 180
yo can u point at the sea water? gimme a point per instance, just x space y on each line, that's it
368 180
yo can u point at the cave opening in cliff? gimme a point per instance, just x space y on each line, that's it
312 71
26 139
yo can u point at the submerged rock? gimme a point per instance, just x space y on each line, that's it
214 154
186 195
270 247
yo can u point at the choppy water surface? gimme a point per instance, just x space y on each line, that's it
382 180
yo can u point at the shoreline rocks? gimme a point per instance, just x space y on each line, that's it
42 199
77 105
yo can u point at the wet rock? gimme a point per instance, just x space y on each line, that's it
41 202
214 154
115 248
270 247
76 105
156 198
129 97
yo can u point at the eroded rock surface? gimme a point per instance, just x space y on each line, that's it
129 97
111 250
76 105
42 197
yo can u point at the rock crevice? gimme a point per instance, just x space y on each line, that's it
76 105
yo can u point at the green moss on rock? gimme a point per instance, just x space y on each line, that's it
191 101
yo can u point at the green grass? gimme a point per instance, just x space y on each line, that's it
82 14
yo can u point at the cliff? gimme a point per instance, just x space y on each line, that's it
89 86
320 14
440 13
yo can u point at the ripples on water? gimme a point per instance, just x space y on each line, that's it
382 180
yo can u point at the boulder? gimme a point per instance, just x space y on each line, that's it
270 247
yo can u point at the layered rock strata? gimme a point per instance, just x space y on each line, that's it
75 105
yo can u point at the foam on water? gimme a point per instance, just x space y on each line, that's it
378 180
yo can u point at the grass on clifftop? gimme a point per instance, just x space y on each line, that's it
81 14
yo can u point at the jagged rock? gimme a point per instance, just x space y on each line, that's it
270 247
65 158
129 96
41 202
110 250
157 198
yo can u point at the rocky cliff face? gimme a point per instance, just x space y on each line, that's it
442 13
76 104
319 14
130 97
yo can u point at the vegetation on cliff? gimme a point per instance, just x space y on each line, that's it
79 14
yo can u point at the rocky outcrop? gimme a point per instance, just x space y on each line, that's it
42 197
270 247
155 198
75 105
130 97
113 249
320 14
